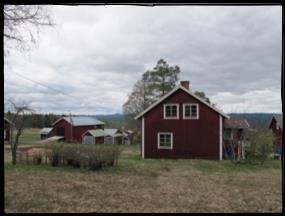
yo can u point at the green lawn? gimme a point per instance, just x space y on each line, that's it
30 135
137 185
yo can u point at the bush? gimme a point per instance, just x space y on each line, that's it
250 157
37 158
264 146
55 156
91 157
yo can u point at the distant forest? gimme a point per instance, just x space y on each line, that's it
256 120
46 120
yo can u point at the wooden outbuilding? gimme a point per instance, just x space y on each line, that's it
72 127
7 129
234 136
276 126
46 133
102 136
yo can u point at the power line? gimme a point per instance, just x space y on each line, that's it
67 108
44 85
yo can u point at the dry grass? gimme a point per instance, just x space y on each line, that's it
137 185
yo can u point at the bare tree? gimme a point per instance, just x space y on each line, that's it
18 125
20 24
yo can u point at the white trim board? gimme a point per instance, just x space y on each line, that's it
221 138
143 137
188 92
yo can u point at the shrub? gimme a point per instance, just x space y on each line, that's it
264 146
55 155
37 158
92 157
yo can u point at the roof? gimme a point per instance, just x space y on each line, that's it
81 120
7 120
110 132
100 132
279 120
96 132
45 130
188 92
236 123
118 135
53 138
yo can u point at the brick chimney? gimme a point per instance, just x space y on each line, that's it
185 84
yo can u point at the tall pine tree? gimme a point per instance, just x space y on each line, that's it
151 87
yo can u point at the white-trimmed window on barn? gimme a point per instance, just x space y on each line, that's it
190 111
165 140
171 111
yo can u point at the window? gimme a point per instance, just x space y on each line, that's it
190 111
165 140
228 134
171 111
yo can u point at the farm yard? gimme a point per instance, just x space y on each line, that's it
137 185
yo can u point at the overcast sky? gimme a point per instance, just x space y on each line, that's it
97 53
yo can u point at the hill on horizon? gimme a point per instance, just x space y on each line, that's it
256 120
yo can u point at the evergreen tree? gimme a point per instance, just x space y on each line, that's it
151 87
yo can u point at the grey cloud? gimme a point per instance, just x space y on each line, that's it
98 53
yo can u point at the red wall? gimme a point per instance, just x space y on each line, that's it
76 131
277 135
191 138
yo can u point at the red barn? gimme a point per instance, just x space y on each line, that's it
72 127
182 125
276 126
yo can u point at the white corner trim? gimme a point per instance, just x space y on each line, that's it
185 104
164 111
221 137
143 137
158 140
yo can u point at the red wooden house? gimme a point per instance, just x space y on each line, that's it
276 126
182 125
72 127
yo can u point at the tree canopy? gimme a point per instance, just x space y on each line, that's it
21 22
153 85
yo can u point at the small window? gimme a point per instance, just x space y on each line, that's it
228 134
190 111
171 111
165 140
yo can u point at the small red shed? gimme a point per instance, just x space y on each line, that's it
276 126
182 125
7 129
72 127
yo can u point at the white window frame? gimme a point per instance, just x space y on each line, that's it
158 140
164 110
190 104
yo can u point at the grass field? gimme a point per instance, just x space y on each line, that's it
137 185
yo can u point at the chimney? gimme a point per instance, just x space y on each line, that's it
185 84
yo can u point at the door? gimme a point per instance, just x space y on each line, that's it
88 140
60 131
108 140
